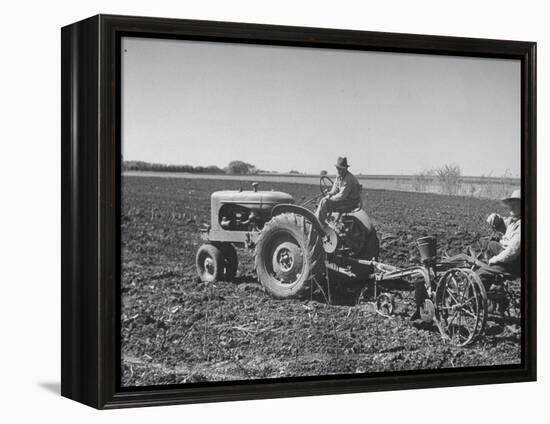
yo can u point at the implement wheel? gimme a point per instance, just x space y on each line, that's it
461 305
289 256
385 304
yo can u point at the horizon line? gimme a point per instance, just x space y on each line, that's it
316 174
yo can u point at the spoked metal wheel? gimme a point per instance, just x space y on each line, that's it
461 305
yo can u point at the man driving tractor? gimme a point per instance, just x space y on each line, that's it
344 195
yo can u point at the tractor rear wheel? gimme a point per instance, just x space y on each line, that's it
289 256
210 263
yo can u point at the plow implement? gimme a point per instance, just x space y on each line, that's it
452 297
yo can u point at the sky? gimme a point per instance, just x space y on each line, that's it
294 108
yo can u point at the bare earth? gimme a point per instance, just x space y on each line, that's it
178 330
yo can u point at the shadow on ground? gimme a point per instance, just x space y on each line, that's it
51 386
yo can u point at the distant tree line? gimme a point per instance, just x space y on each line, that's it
448 177
235 167
160 167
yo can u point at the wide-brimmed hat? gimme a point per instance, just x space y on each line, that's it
342 163
515 196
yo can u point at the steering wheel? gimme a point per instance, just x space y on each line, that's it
325 184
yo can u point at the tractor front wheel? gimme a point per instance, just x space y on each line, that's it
289 256
210 263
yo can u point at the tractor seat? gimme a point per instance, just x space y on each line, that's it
357 209
359 206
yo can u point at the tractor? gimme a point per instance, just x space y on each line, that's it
292 249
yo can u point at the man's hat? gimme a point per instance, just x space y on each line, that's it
516 196
342 163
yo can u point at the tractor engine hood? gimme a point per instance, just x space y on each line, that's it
255 200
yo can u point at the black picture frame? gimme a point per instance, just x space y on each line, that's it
91 180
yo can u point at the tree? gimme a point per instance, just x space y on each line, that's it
212 169
324 172
422 180
449 178
240 168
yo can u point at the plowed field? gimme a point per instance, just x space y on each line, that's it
176 329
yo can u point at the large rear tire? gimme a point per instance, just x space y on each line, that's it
289 256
